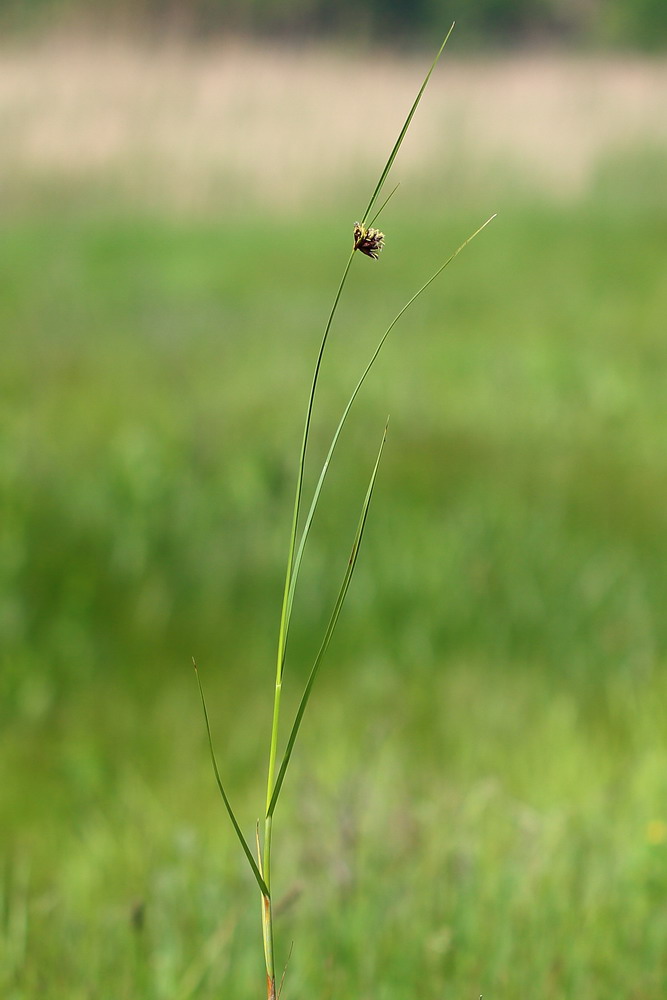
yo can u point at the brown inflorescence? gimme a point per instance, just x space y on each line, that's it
369 241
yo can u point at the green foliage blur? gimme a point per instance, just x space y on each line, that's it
477 804
620 23
479 796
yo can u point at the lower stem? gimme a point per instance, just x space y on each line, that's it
267 933
267 916
267 912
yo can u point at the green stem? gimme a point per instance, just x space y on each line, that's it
282 636
267 916
340 600
284 616
286 604
271 789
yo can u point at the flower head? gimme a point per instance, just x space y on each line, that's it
369 241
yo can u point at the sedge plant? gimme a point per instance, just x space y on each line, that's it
369 241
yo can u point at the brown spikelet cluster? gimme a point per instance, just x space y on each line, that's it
369 241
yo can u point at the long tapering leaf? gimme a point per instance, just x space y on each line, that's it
402 133
282 636
325 467
248 853
329 631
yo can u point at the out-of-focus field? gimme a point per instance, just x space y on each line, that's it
240 126
479 803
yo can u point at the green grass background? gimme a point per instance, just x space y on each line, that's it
478 803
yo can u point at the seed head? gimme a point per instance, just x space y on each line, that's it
369 241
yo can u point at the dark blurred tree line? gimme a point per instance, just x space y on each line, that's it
622 23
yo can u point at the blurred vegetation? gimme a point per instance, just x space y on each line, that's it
478 805
622 23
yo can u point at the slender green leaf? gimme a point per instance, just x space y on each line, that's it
402 133
318 489
284 618
248 853
302 462
329 630
282 636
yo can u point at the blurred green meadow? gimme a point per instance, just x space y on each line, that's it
478 804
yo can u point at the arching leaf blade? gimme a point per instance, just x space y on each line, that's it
246 850
340 600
